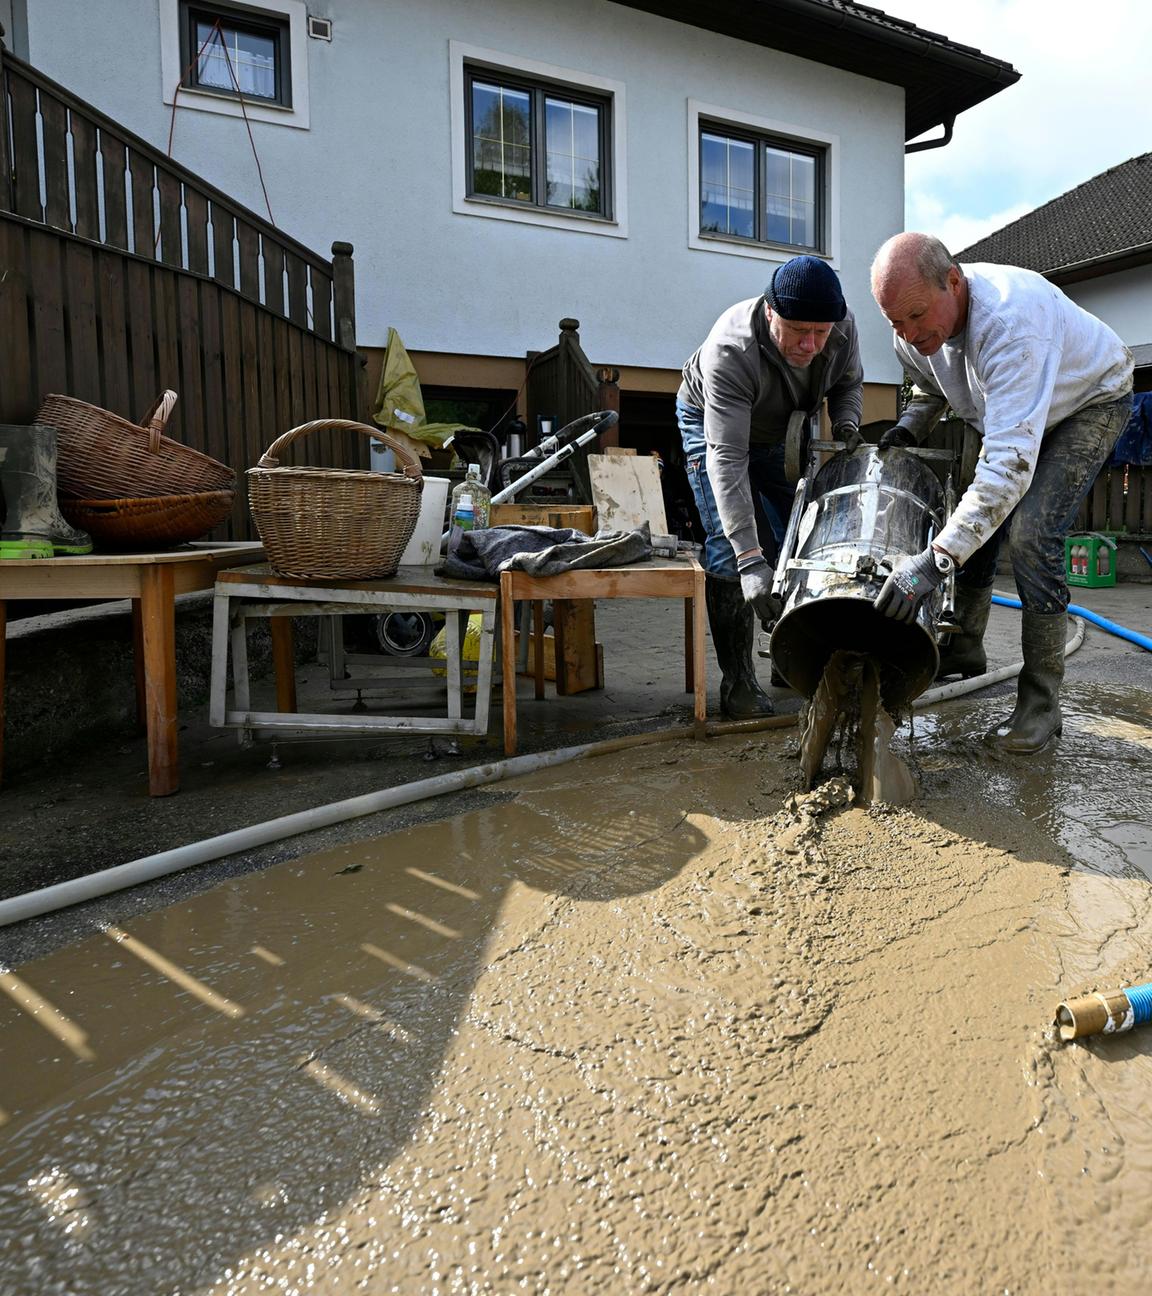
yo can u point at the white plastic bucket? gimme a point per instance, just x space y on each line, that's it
423 550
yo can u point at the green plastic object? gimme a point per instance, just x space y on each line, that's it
1090 559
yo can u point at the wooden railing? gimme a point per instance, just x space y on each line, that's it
564 386
125 273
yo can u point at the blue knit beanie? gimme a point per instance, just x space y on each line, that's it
806 288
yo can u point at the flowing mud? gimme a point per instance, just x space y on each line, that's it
658 1024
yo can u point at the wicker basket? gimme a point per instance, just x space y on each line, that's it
334 523
149 520
100 455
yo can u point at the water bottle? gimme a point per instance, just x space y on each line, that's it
481 496
463 518
1103 560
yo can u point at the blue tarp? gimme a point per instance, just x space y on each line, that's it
1135 444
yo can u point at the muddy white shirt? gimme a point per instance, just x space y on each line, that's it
1027 358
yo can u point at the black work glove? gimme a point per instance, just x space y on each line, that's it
849 433
912 580
897 436
756 583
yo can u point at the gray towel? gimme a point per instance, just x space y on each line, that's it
541 550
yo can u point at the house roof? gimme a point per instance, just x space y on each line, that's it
940 78
1101 226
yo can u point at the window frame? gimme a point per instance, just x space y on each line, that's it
539 91
745 127
260 22
760 142
575 84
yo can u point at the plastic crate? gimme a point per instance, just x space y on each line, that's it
1090 559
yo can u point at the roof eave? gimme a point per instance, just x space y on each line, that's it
1105 263
940 78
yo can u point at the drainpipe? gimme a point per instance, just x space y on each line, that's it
939 142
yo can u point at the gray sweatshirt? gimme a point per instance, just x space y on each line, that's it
747 392
1027 358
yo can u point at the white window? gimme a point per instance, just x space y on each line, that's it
218 53
535 143
758 187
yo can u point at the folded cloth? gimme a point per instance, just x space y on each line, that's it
1135 442
541 550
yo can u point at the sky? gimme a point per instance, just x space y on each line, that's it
1083 104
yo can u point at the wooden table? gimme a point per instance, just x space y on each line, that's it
151 581
664 578
244 593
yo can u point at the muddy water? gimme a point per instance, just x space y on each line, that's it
659 1024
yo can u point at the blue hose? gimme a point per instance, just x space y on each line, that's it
1074 609
1140 997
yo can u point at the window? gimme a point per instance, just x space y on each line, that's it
540 145
225 50
761 189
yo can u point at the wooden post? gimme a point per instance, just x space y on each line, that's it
158 618
3 633
344 313
6 193
283 663
608 398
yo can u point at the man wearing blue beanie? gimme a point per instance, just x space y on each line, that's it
766 358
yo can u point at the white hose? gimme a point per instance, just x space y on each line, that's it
148 867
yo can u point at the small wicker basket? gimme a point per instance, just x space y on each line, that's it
100 455
149 520
334 523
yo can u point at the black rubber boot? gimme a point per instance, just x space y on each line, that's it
963 652
731 621
1036 719
33 527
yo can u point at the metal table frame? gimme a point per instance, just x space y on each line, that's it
249 592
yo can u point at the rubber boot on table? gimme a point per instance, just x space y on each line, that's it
33 527
963 652
731 622
1036 719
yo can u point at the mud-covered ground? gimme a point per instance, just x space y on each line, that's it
654 1024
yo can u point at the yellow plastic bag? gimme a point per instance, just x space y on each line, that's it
470 651
400 402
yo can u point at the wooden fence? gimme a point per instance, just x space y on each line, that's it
563 385
123 273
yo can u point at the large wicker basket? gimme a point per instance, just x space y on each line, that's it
100 455
150 520
334 523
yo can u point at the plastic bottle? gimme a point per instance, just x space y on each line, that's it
1103 560
478 493
463 518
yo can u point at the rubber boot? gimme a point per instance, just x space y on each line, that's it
963 652
731 621
33 527
1036 719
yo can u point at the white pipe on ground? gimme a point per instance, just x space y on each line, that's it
118 878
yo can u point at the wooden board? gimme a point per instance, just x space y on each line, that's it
626 492
580 517
550 663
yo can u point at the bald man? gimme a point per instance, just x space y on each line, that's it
1049 389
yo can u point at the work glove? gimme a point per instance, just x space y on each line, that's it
756 585
912 580
897 437
849 433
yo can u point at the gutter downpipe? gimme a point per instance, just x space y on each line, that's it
939 142
121 876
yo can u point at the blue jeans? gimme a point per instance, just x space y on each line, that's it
771 495
1071 456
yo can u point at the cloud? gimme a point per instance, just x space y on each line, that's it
1082 105
956 230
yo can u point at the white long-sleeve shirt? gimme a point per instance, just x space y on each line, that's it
1027 358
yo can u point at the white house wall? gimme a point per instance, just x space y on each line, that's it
1123 301
373 166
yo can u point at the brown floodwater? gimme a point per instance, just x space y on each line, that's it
659 1023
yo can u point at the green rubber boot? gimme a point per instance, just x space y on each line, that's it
1036 719
731 621
963 652
33 527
